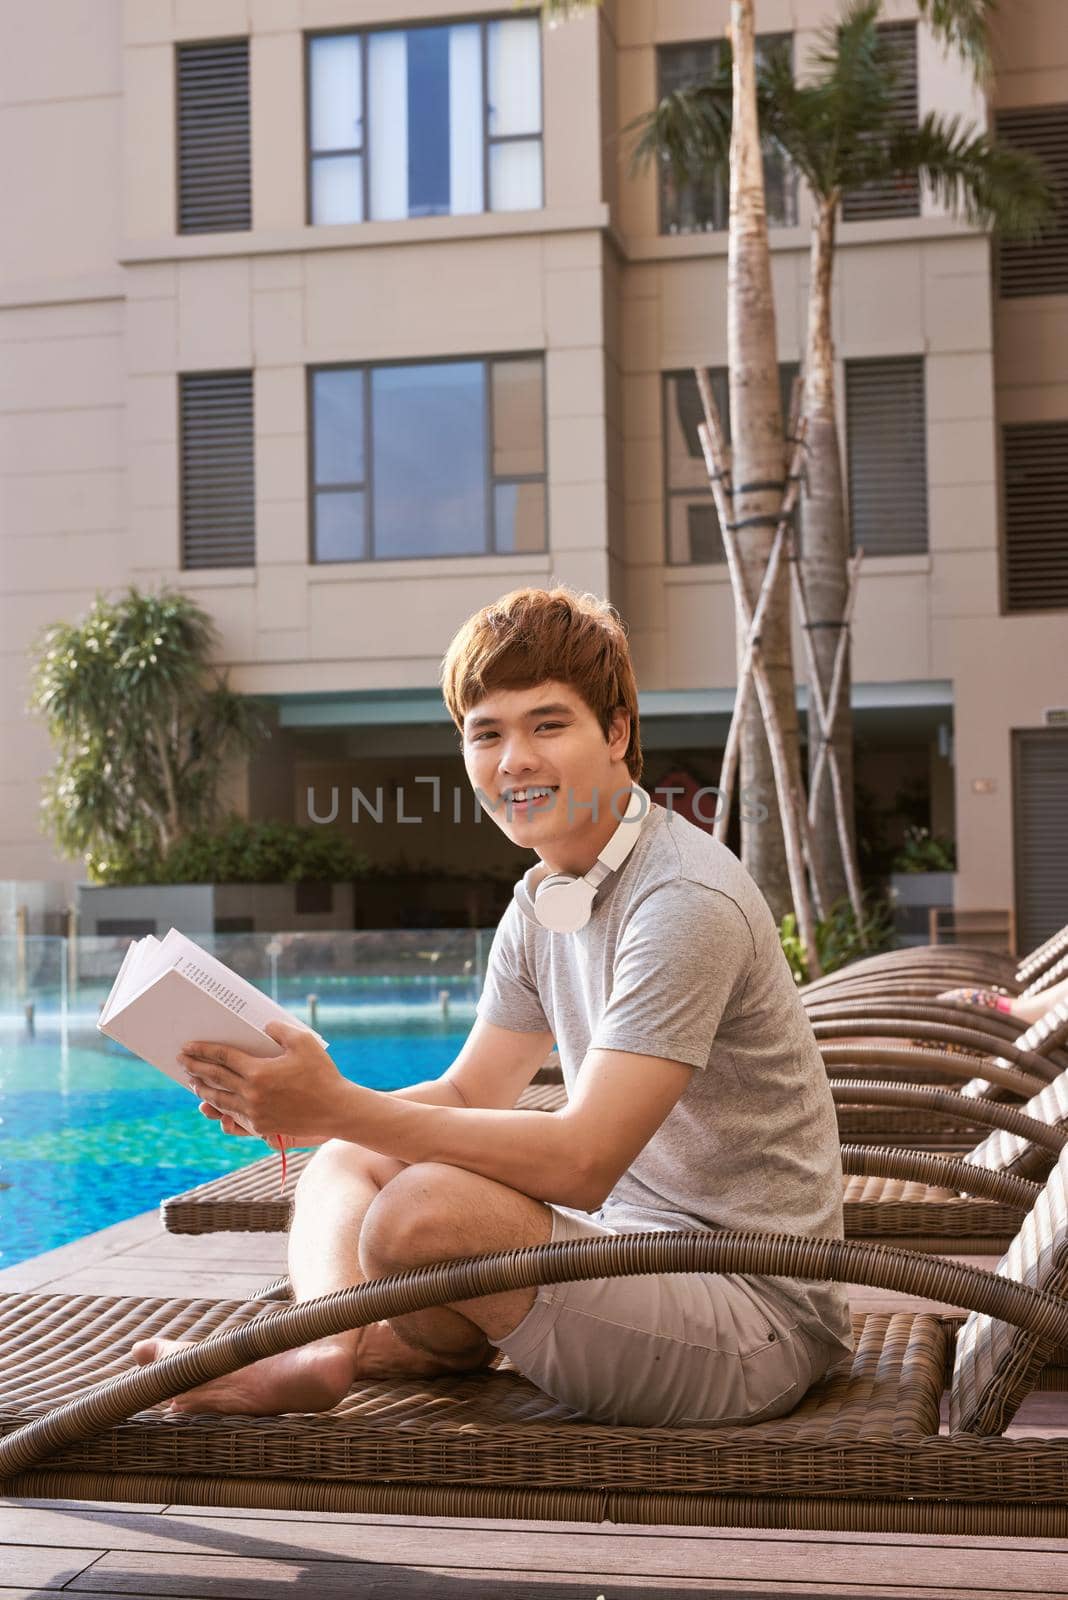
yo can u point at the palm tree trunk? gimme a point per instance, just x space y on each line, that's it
825 549
757 467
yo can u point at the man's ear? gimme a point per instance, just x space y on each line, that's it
619 729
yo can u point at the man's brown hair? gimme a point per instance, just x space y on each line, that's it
531 635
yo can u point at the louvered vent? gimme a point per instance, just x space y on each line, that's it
899 197
886 422
214 171
1041 267
1041 833
1035 466
218 490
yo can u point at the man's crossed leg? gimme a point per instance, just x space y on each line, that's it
359 1215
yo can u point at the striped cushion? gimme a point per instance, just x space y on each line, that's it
1010 1152
1049 1033
996 1364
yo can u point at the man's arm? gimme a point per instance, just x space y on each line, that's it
492 1069
571 1157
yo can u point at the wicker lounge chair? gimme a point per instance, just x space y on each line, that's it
1039 1051
862 1451
917 1198
927 970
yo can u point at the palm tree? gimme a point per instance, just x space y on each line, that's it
758 447
839 131
757 461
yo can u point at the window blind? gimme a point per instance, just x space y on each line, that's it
898 197
886 426
1042 266
217 470
1035 476
1040 832
214 164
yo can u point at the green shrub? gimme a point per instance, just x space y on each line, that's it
240 852
143 726
839 938
924 851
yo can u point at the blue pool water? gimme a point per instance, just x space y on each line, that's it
89 1135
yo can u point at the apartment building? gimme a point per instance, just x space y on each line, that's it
346 316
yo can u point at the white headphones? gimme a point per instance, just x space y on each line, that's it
562 902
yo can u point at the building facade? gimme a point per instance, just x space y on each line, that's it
347 316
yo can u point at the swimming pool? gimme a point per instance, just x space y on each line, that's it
89 1135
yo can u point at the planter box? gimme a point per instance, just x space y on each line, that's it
196 908
913 894
388 901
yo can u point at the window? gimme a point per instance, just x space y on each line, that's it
886 430
214 170
217 469
703 207
693 531
442 458
1042 266
425 122
1035 475
900 196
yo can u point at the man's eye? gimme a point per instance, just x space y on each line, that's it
476 738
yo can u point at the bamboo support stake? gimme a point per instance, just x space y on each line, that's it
839 663
712 445
729 768
826 712
825 720
826 715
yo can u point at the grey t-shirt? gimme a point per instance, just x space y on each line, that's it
681 959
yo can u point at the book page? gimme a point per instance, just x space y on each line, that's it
143 969
173 1011
126 979
214 976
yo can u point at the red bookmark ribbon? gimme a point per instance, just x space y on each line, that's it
281 1146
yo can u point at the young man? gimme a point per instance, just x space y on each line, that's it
696 1093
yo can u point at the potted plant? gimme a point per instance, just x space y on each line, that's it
921 878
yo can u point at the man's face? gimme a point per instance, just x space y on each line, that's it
518 741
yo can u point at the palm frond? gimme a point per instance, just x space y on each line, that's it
963 25
990 183
849 46
689 130
829 122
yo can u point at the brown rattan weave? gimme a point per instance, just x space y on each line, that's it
249 1201
912 1064
1031 1122
959 1013
861 1451
935 1034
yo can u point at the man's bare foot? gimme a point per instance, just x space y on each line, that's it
314 1377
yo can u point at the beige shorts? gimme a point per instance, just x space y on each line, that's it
664 1350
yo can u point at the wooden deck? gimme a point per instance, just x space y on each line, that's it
192 1553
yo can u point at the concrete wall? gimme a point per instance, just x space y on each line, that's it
63 525
103 304
1013 666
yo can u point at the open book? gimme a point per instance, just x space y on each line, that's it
169 992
